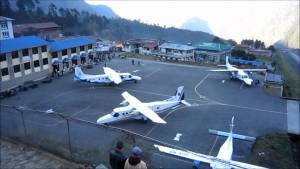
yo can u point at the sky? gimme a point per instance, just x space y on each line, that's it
228 19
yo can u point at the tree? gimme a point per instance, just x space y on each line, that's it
5 8
232 42
52 11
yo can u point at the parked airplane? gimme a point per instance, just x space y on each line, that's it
135 109
223 159
109 77
238 73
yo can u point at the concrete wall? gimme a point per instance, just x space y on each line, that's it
15 79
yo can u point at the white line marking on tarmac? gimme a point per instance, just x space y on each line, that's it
136 71
177 137
223 81
150 74
197 85
242 85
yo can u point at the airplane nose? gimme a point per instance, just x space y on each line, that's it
105 119
137 78
248 82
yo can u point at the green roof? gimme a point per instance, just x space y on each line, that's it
212 46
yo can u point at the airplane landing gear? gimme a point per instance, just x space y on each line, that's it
135 81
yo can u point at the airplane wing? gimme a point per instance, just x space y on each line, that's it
134 102
222 70
185 154
206 158
112 75
254 70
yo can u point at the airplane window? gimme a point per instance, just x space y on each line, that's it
130 76
116 115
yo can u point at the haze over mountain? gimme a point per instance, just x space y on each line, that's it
76 22
80 5
196 24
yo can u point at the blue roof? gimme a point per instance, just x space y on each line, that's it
70 43
24 42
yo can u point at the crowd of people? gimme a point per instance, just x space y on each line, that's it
118 160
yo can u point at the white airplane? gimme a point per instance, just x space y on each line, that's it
109 77
238 73
133 108
223 159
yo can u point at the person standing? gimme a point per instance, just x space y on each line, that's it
134 161
116 157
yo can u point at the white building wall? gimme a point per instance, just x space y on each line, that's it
9 29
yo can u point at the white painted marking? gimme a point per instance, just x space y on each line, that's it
223 81
136 71
49 111
177 137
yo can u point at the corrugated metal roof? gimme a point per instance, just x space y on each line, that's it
23 42
212 46
26 27
70 43
176 46
274 78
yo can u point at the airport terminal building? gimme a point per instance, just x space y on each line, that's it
23 59
68 52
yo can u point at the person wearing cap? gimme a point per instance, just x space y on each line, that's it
134 161
116 157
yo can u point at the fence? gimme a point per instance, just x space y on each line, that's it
71 138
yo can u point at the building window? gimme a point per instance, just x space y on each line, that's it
27 65
5 34
36 63
81 48
17 68
25 52
35 50
15 54
90 46
4 71
2 57
54 54
4 25
64 52
44 48
73 50
45 61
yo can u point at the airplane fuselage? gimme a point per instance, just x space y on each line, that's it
126 112
239 74
103 78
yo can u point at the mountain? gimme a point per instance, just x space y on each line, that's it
123 29
283 27
80 5
83 23
196 24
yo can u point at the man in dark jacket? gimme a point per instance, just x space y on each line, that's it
116 157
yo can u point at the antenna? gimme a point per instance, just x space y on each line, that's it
232 124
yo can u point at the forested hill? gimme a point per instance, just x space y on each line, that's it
80 22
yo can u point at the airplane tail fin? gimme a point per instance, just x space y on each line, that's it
179 95
227 61
233 135
79 75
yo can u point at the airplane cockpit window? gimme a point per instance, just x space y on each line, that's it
244 77
114 114
130 76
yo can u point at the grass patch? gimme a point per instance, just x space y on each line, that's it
291 79
273 151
